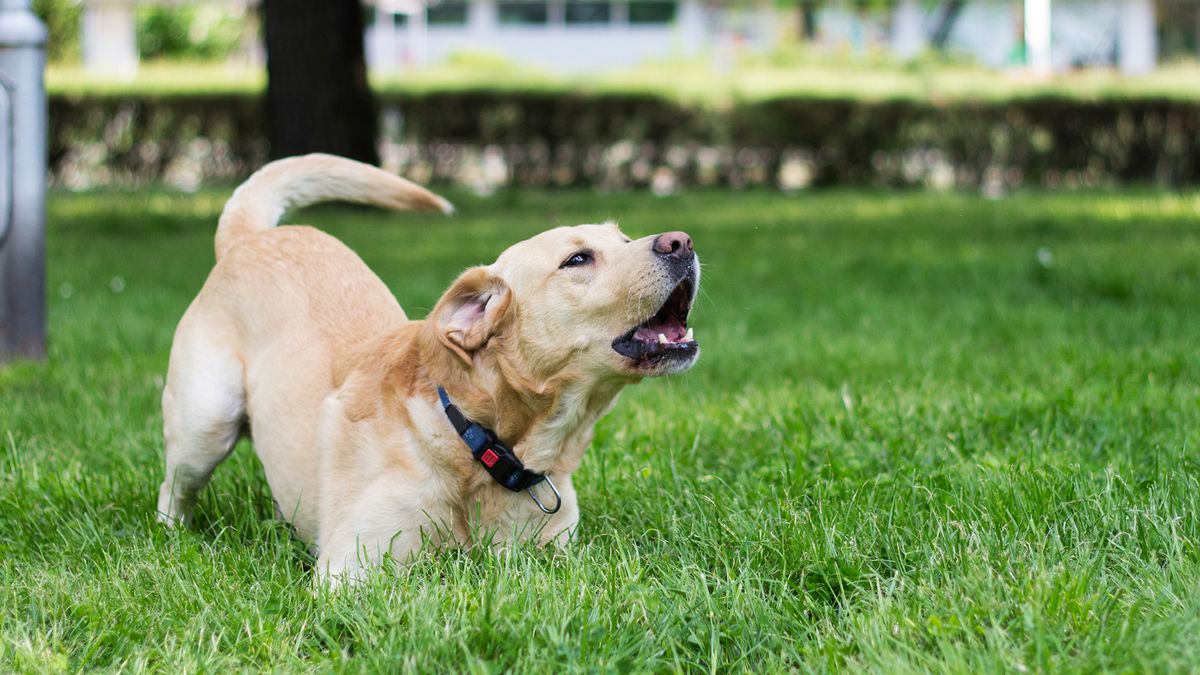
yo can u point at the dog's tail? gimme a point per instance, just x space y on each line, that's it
290 183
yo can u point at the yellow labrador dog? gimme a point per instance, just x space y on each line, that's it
378 432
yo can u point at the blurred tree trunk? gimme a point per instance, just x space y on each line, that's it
318 98
941 34
808 20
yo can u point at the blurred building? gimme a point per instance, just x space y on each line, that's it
579 35
563 35
1056 35
595 35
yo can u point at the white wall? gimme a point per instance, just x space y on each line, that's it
556 47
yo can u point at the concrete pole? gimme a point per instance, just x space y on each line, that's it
419 30
482 18
110 37
767 16
385 44
1137 38
907 38
691 28
22 183
1037 36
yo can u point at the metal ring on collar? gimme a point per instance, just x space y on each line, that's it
557 497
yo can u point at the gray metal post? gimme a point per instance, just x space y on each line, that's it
22 183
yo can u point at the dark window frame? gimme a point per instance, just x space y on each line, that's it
461 8
646 21
510 5
608 19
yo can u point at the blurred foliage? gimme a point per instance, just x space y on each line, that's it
62 18
621 140
198 32
189 32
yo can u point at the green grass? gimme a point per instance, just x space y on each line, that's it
690 81
927 432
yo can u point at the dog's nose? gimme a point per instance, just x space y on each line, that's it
674 245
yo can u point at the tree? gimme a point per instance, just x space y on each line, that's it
318 97
949 14
62 19
808 20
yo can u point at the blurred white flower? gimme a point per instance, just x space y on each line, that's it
663 183
941 175
993 183
795 174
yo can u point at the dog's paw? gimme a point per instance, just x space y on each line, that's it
171 521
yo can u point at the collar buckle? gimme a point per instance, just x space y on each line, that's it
501 463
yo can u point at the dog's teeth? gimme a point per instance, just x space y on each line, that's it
662 339
688 336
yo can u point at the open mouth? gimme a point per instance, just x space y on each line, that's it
664 336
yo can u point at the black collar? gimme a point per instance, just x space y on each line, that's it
496 457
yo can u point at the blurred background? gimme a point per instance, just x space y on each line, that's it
631 94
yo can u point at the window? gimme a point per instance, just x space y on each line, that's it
447 13
519 13
651 12
389 19
586 12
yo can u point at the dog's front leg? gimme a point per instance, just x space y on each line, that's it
387 520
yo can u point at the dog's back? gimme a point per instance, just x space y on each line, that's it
258 343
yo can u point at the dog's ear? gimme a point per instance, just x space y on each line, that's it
473 311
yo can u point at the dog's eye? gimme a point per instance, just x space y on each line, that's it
577 259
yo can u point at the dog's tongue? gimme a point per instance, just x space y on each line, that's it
669 326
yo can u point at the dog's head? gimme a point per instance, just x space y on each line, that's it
585 300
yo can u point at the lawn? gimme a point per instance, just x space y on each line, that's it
783 75
927 432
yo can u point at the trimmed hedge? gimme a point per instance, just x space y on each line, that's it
487 139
